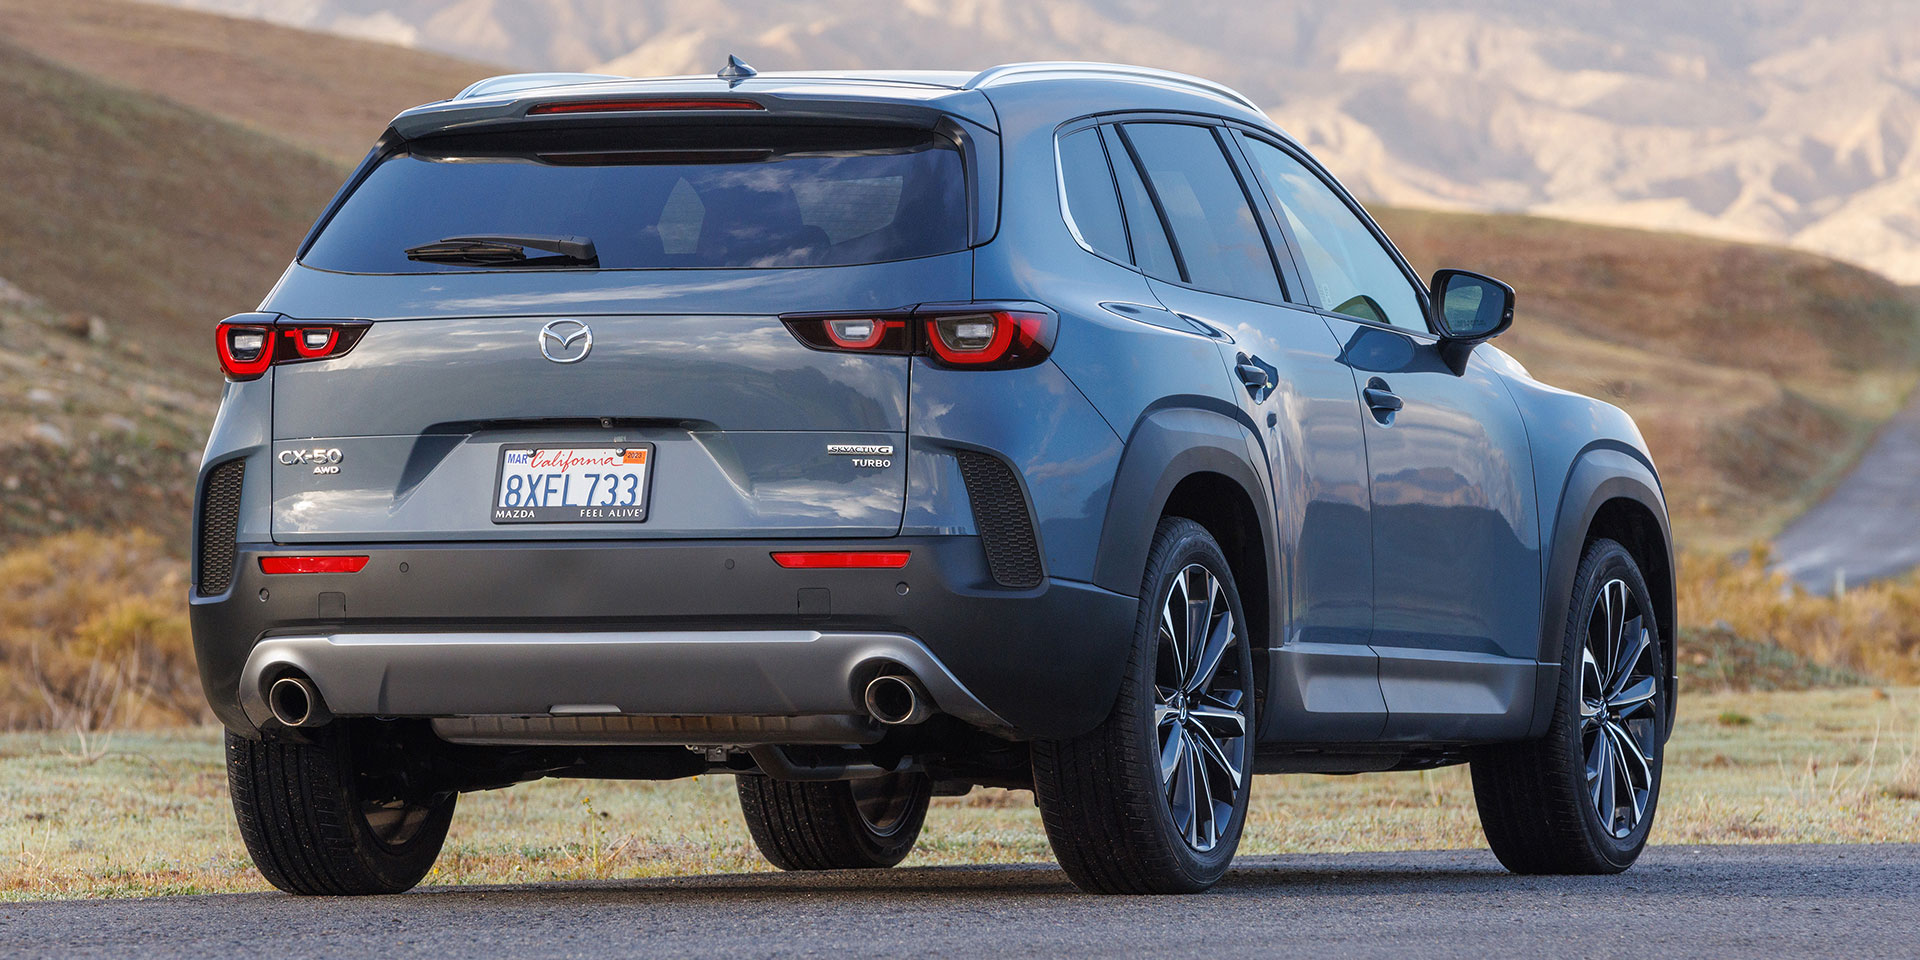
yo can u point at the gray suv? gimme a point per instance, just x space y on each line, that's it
878 436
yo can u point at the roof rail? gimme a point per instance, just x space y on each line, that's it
993 75
511 82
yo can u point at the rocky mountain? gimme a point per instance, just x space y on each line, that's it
1777 121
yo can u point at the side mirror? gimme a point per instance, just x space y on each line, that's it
1468 310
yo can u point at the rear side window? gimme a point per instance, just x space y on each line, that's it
1218 239
1151 250
1093 211
1352 273
662 197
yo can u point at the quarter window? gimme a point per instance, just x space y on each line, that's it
1087 185
1215 233
1351 272
1151 250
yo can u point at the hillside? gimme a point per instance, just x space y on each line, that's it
1760 120
156 218
322 93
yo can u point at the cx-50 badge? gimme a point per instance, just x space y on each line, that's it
322 459
558 340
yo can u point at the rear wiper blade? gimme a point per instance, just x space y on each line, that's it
508 250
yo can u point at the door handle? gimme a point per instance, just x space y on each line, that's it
1256 374
1382 401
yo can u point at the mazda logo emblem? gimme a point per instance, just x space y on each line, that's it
559 338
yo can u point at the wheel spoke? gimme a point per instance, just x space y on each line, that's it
1187 788
1597 764
1634 759
1211 749
1633 648
1624 757
1607 803
1222 723
1636 695
1592 691
1219 641
1203 803
1616 619
1172 750
1199 611
1178 620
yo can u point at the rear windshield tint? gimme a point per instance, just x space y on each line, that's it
651 197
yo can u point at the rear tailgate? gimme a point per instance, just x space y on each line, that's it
740 414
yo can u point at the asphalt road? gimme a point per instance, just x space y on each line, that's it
1869 526
1759 901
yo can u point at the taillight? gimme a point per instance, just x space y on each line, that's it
246 347
852 334
628 106
250 343
971 336
277 565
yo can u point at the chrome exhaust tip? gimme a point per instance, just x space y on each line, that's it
295 703
897 701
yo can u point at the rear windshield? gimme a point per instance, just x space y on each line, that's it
660 197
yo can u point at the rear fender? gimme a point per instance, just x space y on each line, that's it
1168 445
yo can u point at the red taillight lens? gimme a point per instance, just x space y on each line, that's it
844 560
250 343
626 106
972 336
312 564
245 347
312 343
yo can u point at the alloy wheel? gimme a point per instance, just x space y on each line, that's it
1199 708
1619 709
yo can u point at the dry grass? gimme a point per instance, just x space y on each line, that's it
1727 602
151 816
94 638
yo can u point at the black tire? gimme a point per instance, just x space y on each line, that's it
306 823
1540 804
836 825
1112 815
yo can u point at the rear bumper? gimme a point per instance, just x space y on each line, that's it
708 673
681 628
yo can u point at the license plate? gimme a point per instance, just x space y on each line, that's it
573 484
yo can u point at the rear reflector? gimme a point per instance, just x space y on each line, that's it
312 564
624 106
844 560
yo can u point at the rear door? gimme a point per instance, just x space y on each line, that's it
1456 564
1211 263
522 399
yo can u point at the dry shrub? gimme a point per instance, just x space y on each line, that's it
94 636
1872 630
